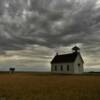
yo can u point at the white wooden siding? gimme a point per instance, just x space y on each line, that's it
64 65
78 69
73 67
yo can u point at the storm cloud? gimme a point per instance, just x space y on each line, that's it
50 24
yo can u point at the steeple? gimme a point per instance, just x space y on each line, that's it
76 49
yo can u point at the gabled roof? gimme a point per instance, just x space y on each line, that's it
66 58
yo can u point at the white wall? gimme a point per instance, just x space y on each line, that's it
71 68
78 69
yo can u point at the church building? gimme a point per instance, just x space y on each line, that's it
71 63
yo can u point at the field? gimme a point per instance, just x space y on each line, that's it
32 86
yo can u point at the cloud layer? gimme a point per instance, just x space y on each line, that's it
50 24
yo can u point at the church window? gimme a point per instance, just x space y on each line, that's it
55 68
67 67
79 65
61 68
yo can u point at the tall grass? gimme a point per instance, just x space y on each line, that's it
27 86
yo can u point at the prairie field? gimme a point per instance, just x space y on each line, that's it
30 86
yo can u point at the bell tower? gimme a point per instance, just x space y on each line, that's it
76 49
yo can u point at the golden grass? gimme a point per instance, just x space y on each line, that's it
29 86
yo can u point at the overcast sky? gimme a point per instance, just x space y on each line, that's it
32 31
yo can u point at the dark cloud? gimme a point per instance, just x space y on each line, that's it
49 23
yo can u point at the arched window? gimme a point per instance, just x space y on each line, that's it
67 67
61 68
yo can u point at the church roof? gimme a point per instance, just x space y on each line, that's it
66 58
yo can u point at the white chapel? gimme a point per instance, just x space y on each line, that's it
71 63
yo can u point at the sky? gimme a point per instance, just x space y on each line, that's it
32 31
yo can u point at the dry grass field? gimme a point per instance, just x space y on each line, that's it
29 86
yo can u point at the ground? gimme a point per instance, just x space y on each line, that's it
30 86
